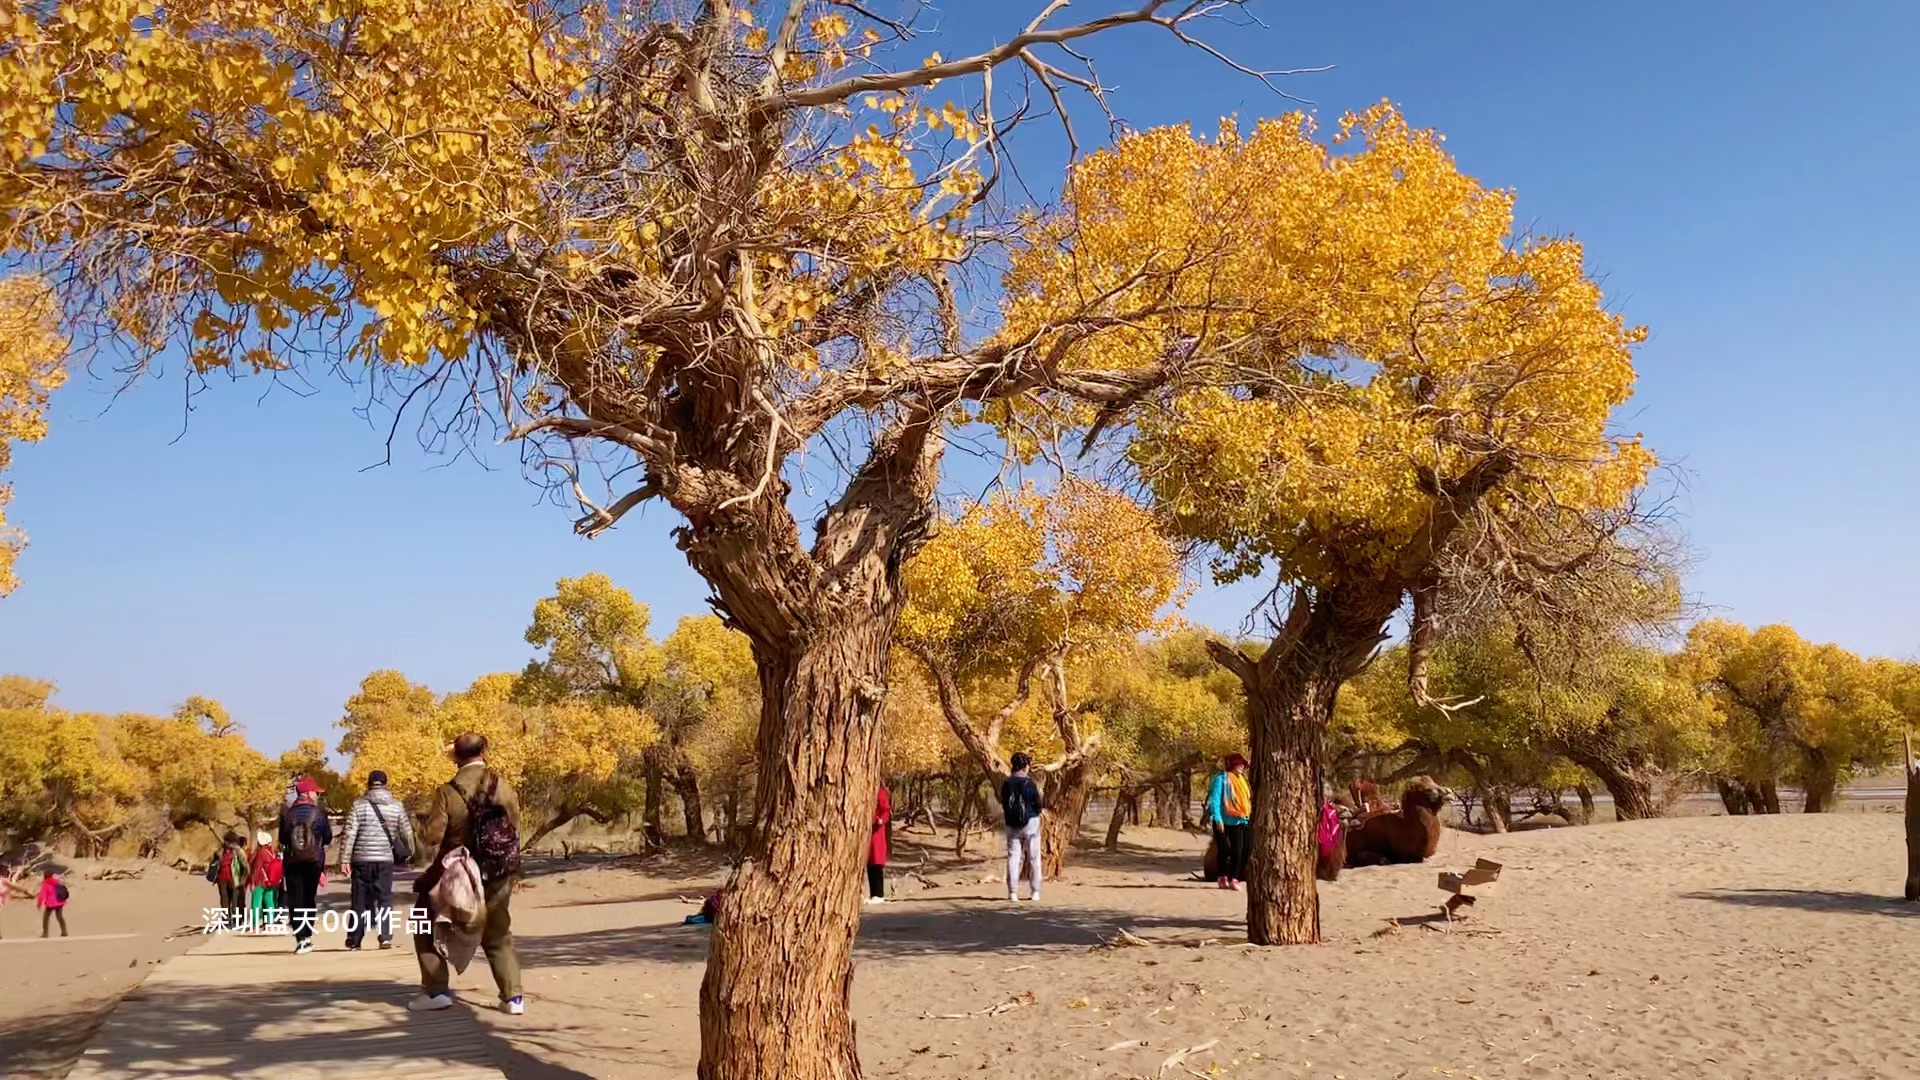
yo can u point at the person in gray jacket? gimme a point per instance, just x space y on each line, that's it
376 826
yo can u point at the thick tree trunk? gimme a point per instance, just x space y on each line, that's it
1327 638
1117 819
1733 797
1183 788
1283 902
774 1003
1066 805
655 815
963 819
1498 804
1632 789
1766 795
1585 794
1822 786
686 784
1912 890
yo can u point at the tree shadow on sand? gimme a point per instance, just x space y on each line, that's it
897 931
1814 900
48 1044
264 1030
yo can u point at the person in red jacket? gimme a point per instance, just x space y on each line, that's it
53 903
263 882
877 848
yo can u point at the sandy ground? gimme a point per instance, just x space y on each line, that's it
1714 947
53 993
1720 947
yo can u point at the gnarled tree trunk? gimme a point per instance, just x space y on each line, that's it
686 784
1069 784
1585 795
1733 796
654 816
1822 783
774 1003
1498 803
1327 638
1912 890
1066 805
1631 786
1118 818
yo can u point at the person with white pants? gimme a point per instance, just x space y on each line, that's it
1020 801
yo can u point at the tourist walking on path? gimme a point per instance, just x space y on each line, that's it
229 874
877 848
379 835
477 810
1020 803
263 882
304 836
52 902
1229 807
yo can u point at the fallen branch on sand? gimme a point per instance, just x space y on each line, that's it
1125 939
1019 1001
1179 1057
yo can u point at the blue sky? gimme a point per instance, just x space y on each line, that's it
1741 175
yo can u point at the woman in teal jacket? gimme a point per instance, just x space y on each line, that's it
1229 806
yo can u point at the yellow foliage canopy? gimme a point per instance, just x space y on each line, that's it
1794 710
289 167
1386 338
33 356
1031 582
1030 576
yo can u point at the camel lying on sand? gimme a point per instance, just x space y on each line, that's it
1412 835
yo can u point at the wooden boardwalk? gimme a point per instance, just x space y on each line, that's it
246 1006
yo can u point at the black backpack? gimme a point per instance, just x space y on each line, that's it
60 892
1014 799
491 837
303 843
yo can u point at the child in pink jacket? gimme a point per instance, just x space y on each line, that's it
52 902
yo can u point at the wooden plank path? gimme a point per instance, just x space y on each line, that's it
241 1005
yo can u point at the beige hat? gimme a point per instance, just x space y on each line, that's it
264 838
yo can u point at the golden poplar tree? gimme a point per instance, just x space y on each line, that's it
1395 383
681 240
1021 589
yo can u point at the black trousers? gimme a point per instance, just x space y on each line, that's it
1233 851
372 888
876 879
302 882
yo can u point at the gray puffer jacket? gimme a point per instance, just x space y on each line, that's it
375 815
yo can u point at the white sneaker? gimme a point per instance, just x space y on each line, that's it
1013 898
303 948
514 1006
433 1003
876 899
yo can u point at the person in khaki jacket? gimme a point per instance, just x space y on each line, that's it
447 827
